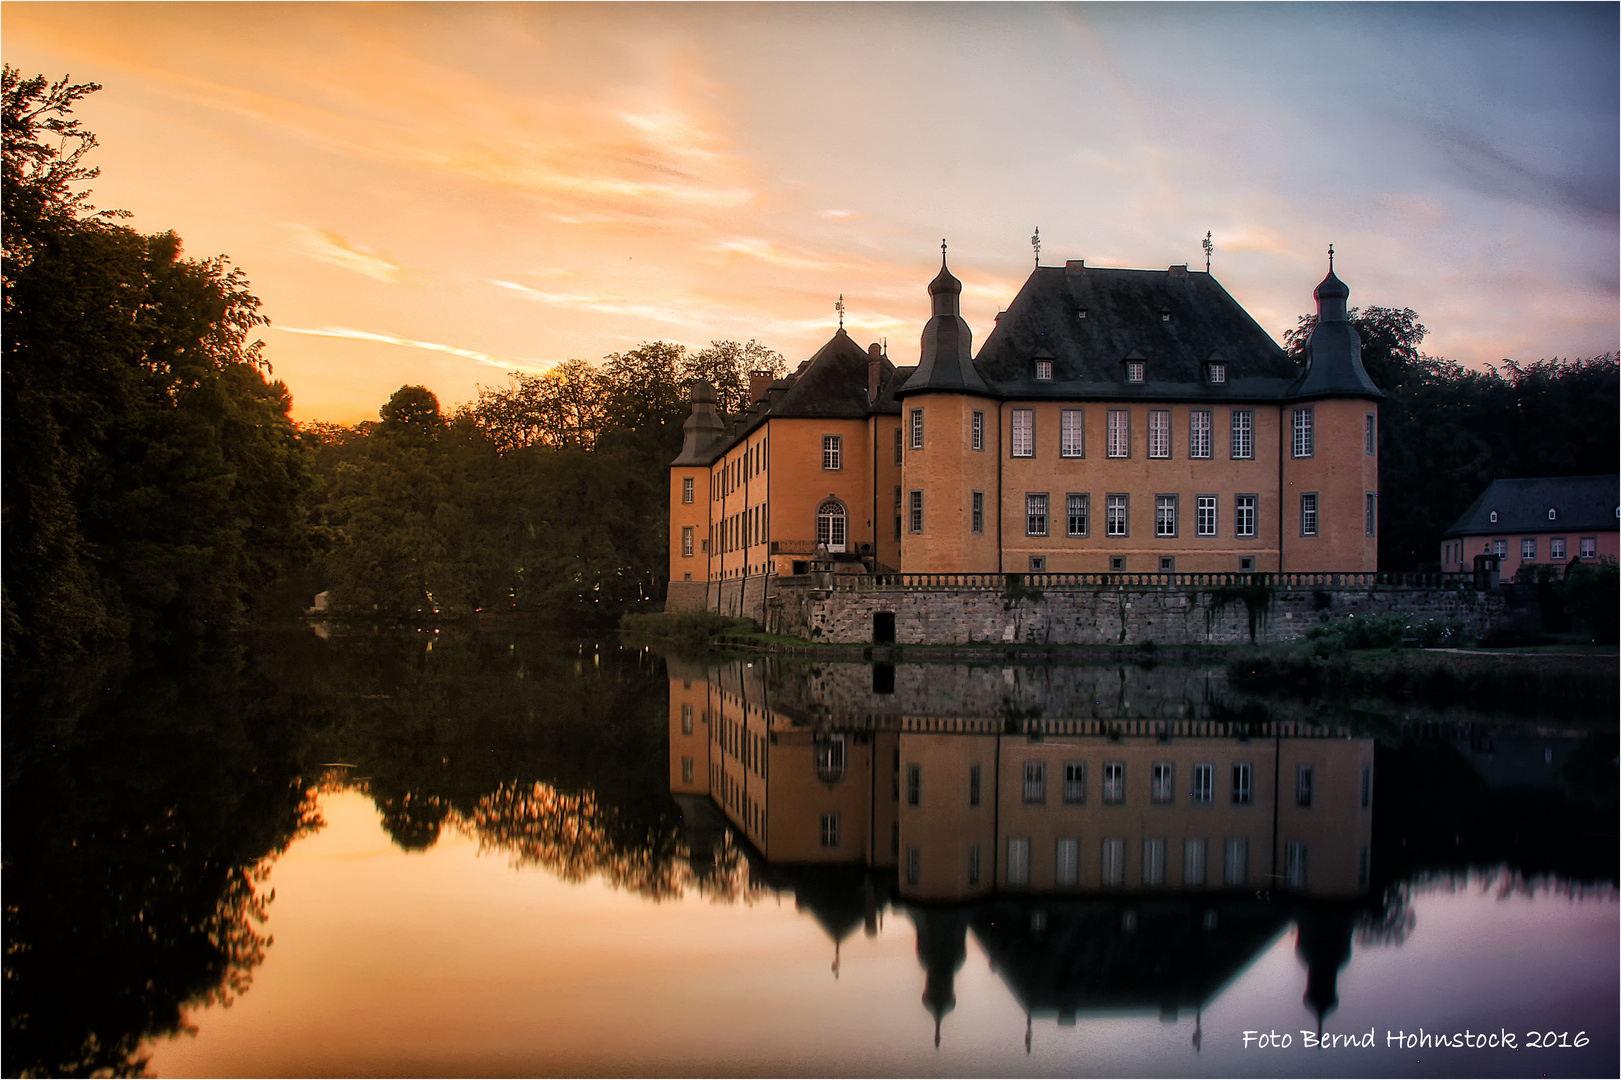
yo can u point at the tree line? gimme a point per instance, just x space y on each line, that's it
155 487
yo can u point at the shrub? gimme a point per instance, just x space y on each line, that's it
1591 592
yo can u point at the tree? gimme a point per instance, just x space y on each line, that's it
727 366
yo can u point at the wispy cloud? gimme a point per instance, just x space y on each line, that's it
328 247
606 304
351 334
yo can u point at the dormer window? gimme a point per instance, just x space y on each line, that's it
1218 373
1134 371
1164 314
1553 515
1081 314
1044 371
1494 517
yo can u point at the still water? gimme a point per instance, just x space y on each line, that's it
482 855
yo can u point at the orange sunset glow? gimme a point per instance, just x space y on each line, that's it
441 194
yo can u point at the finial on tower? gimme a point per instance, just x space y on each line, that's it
1331 258
1035 242
839 307
1209 249
942 251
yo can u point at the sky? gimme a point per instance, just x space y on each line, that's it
443 194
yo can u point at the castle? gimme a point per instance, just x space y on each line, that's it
1134 421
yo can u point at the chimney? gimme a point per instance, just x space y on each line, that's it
875 371
1075 266
759 383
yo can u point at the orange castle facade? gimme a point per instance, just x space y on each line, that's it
1113 421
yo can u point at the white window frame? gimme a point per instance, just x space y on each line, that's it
832 453
836 535
1204 515
1235 871
1243 438
1204 783
1308 513
1018 861
1114 783
1588 547
1067 862
1072 433
976 430
898 443
1153 862
1218 374
1370 515
830 830
1370 435
687 485
1165 516
1112 862
1117 515
1294 864
917 429
1077 509
1304 440
1119 433
977 513
1023 434
1246 514
1075 783
1035 783
686 541
1136 372
1159 433
1243 783
1044 371
1528 548
1200 425
1195 862
1556 548
914 508
1162 783
1035 513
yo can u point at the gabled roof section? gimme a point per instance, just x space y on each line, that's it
1091 320
1581 504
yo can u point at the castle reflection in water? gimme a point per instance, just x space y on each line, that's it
1115 839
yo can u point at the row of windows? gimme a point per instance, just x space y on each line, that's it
751 463
1162 789
1136 370
1587 548
1117 440
743 529
1117 514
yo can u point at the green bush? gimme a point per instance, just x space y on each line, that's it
1592 595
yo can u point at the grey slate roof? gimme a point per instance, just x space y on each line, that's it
1334 349
1125 320
1584 504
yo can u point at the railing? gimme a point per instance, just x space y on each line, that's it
1011 582
793 547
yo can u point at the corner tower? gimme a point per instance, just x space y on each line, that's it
1330 447
950 432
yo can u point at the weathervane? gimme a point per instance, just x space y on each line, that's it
1035 242
1208 249
1331 258
839 307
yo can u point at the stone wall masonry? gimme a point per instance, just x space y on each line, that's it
1107 614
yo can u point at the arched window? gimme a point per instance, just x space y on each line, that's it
830 525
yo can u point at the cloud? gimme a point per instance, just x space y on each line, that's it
840 215
328 247
351 334
605 304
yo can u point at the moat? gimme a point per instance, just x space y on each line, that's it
401 853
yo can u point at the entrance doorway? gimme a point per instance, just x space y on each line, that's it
883 628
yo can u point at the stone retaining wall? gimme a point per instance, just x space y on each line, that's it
1107 614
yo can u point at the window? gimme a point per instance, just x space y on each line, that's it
1199 433
830 830
1038 564
686 489
976 430
1237 868
1153 863
1114 782
1167 564
832 451
973 784
1165 515
1067 862
1367 786
1159 433
1113 870
1078 511
1589 547
897 511
1302 428
1494 517
830 526
1035 781
914 865
1243 447
973 864
1369 441
1018 860
1305 776
977 522
1499 547
1370 514
1044 371
1553 515
917 429
914 785
1218 373
1194 857
1115 516
897 446
1024 433
1308 513
1119 433
915 511
686 770
1244 515
1556 548
1162 790
1246 564
1075 781
1294 864
1134 371
686 718
1204 515
1035 514
686 541
1204 783
1072 433
1243 784
1117 562
1528 548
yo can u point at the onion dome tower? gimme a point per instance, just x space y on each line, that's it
945 362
